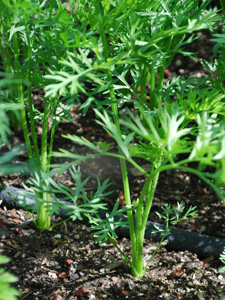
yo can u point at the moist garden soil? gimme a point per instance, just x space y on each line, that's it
66 263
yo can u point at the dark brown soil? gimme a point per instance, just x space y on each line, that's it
67 264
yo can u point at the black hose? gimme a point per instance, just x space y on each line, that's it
178 239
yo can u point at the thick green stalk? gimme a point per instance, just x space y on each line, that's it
151 190
141 221
156 88
32 124
51 136
24 123
44 137
30 102
138 263
160 85
9 60
125 178
21 100
152 104
149 198
43 217
116 121
144 73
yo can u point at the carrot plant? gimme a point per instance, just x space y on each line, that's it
34 37
111 56
23 54
119 67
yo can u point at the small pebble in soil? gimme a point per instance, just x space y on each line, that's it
57 236
81 273
181 71
178 62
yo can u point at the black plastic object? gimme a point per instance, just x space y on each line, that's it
178 239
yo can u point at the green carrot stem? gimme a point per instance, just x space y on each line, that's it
44 137
152 103
116 121
30 102
43 217
24 123
139 225
51 137
149 198
143 85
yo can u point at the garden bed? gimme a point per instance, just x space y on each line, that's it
65 262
